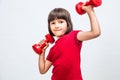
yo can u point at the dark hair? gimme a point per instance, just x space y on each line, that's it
60 13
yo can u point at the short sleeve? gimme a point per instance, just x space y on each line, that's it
75 36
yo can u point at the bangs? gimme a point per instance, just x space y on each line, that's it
57 14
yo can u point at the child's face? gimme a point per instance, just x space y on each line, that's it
58 27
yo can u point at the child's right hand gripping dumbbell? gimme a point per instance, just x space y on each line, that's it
45 47
41 46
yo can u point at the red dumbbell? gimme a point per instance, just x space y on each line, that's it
94 3
38 47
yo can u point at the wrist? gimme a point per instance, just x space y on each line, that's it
91 12
42 54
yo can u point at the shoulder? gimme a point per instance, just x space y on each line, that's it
73 36
75 32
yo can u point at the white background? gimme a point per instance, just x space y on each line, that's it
24 23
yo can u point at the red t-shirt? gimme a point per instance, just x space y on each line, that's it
65 58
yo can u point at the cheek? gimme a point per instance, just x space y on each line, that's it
65 27
51 28
64 30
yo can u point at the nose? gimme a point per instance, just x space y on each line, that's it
57 25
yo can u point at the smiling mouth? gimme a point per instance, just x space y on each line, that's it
57 30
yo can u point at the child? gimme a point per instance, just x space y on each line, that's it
65 54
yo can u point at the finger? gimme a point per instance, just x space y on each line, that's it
41 41
47 45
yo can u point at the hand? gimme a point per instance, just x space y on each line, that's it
41 42
88 8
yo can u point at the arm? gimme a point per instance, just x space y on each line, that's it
43 64
95 27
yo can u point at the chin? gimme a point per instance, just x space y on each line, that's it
58 35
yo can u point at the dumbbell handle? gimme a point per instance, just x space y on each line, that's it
43 44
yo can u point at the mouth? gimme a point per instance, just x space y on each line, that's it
58 30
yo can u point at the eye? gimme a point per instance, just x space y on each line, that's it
52 22
61 21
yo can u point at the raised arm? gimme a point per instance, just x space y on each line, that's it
95 27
